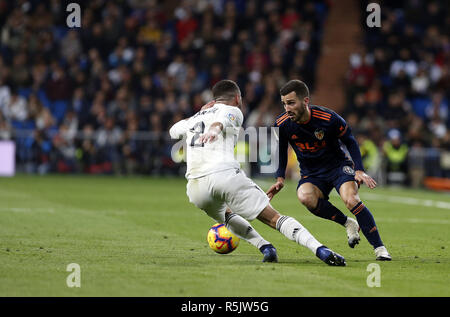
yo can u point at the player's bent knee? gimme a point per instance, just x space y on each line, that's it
351 201
308 200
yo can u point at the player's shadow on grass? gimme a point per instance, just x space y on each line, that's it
302 262
251 260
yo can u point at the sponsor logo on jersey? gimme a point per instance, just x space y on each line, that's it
311 147
319 133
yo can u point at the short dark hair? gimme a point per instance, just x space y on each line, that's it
296 85
225 89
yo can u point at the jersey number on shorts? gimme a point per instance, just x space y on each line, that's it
198 129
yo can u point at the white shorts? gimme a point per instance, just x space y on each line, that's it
214 192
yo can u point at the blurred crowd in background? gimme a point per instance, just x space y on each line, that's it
398 90
100 98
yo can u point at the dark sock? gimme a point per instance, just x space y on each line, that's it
326 210
367 224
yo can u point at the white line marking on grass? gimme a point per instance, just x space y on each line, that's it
408 201
415 220
18 209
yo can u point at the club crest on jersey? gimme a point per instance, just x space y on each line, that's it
348 170
319 133
231 117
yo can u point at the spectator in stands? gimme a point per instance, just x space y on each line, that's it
40 149
108 140
437 107
396 154
63 154
398 112
370 155
59 85
15 106
5 129
134 62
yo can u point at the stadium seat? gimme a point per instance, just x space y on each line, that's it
419 105
58 109
24 92
16 125
43 98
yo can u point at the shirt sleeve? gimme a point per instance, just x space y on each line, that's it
344 133
179 129
340 126
282 152
230 117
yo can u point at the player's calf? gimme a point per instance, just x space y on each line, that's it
244 230
370 230
326 210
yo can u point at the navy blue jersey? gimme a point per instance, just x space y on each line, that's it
317 142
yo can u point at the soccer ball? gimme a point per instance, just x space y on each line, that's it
221 240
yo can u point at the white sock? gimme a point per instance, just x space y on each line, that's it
243 229
293 230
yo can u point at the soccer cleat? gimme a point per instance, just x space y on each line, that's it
382 254
269 252
352 227
329 257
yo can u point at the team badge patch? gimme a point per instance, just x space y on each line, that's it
319 133
231 117
348 170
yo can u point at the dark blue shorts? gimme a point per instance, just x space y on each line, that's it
333 178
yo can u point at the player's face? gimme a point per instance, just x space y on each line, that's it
295 108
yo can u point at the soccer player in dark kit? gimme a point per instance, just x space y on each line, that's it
318 135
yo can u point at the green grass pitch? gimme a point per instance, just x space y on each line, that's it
139 236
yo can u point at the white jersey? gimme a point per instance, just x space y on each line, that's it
211 157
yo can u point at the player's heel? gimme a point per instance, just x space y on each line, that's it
382 254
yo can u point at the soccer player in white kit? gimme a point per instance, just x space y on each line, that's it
218 186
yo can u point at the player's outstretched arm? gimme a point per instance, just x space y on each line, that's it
213 132
282 161
353 148
179 129
275 188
